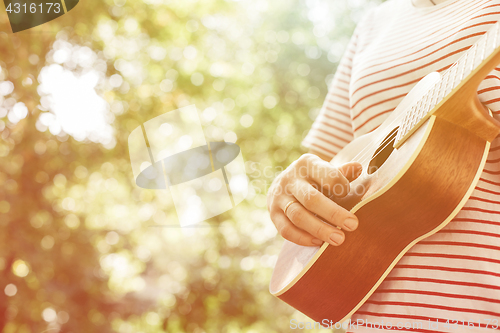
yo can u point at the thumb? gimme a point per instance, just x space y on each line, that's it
351 170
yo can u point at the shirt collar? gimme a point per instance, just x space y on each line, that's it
426 3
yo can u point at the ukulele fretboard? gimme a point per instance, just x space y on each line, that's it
450 81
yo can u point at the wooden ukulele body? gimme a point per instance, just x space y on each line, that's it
415 191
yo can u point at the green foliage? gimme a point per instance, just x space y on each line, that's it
86 249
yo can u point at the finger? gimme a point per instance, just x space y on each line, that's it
351 170
290 232
330 180
317 203
303 219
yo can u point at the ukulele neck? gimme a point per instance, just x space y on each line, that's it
457 88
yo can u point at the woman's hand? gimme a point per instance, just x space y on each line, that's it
300 201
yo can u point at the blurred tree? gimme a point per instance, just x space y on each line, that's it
82 248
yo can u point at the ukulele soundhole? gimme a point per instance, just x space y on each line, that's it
383 152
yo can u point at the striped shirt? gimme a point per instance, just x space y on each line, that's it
449 282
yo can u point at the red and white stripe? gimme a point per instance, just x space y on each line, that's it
453 275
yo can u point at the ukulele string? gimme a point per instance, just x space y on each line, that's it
364 153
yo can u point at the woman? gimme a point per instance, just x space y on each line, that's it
452 277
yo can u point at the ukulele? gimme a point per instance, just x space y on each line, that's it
419 169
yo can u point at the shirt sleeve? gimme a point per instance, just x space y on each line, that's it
489 92
332 129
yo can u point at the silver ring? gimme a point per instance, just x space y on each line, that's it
288 205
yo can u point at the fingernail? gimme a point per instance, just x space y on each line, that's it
316 241
351 224
336 238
